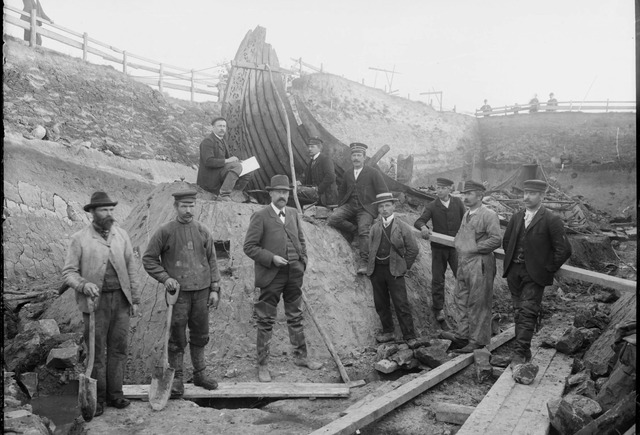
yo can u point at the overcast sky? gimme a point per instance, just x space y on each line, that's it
502 50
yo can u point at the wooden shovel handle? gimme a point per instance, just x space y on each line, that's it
91 305
171 300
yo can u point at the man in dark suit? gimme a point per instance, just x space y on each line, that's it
535 247
319 177
275 242
446 213
358 190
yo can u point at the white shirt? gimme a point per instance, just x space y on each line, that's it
277 210
356 172
221 138
529 215
315 157
387 221
446 203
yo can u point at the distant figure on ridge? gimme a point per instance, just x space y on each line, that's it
486 109
28 6
319 177
219 171
552 103
534 104
516 108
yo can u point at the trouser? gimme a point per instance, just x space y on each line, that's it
112 331
307 195
440 256
189 310
286 284
473 298
341 219
526 296
230 175
386 287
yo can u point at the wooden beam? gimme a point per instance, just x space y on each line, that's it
249 389
382 405
374 159
452 412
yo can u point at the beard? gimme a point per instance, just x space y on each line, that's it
105 223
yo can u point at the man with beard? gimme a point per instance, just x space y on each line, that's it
475 242
446 214
219 171
358 190
534 249
101 267
275 242
181 255
319 177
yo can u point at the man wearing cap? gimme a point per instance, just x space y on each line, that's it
101 267
446 214
219 171
319 177
475 242
552 103
275 242
392 251
181 255
357 191
535 247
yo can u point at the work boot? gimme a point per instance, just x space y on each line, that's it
99 409
175 362
412 343
456 342
385 337
263 373
301 361
200 379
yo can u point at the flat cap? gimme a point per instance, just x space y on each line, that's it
535 185
185 196
470 186
315 141
444 182
357 147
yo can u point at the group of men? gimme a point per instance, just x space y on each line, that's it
100 263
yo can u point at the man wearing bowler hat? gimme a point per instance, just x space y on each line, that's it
446 214
319 177
478 237
535 247
358 190
182 256
392 251
275 242
101 266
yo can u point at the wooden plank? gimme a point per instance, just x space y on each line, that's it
59 38
249 389
453 413
388 402
631 431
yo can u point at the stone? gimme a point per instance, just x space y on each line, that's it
25 423
525 373
567 419
481 359
619 384
607 296
579 378
13 394
598 369
385 350
577 365
402 357
39 132
46 327
403 346
586 388
30 382
496 372
386 366
412 364
619 419
571 341
422 341
61 358
586 404
500 360
23 350
440 343
591 318
599 383
590 335
432 356
231 373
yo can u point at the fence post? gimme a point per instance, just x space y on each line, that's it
32 35
160 80
124 62
570 105
607 109
192 86
85 43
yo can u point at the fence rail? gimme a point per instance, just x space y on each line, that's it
195 82
562 106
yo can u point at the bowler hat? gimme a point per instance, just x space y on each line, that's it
185 196
470 186
279 182
357 147
444 182
384 197
99 199
315 141
535 185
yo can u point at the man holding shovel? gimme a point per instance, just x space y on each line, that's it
100 266
181 255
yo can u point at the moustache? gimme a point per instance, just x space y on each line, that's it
105 222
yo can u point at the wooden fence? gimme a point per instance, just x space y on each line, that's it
562 106
194 82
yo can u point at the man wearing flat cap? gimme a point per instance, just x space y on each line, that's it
358 190
275 242
219 170
446 214
535 246
392 251
478 237
319 177
101 267
182 256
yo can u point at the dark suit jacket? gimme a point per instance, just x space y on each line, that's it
544 245
213 151
404 251
445 220
267 237
367 186
321 173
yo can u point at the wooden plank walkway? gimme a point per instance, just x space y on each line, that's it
512 408
249 389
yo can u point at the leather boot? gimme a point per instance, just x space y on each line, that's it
266 315
200 379
175 362
228 183
293 311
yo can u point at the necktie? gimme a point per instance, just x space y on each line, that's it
281 214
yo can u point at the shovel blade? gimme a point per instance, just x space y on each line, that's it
160 388
87 396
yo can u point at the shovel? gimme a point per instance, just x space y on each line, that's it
88 387
160 388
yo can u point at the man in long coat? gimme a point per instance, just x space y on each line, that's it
319 177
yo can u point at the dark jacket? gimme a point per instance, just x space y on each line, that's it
544 245
267 237
213 152
367 186
404 248
321 173
445 220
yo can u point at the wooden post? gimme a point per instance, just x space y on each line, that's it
32 35
124 62
85 44
607 109
160 79
193 89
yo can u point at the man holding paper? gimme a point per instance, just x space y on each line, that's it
219 171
